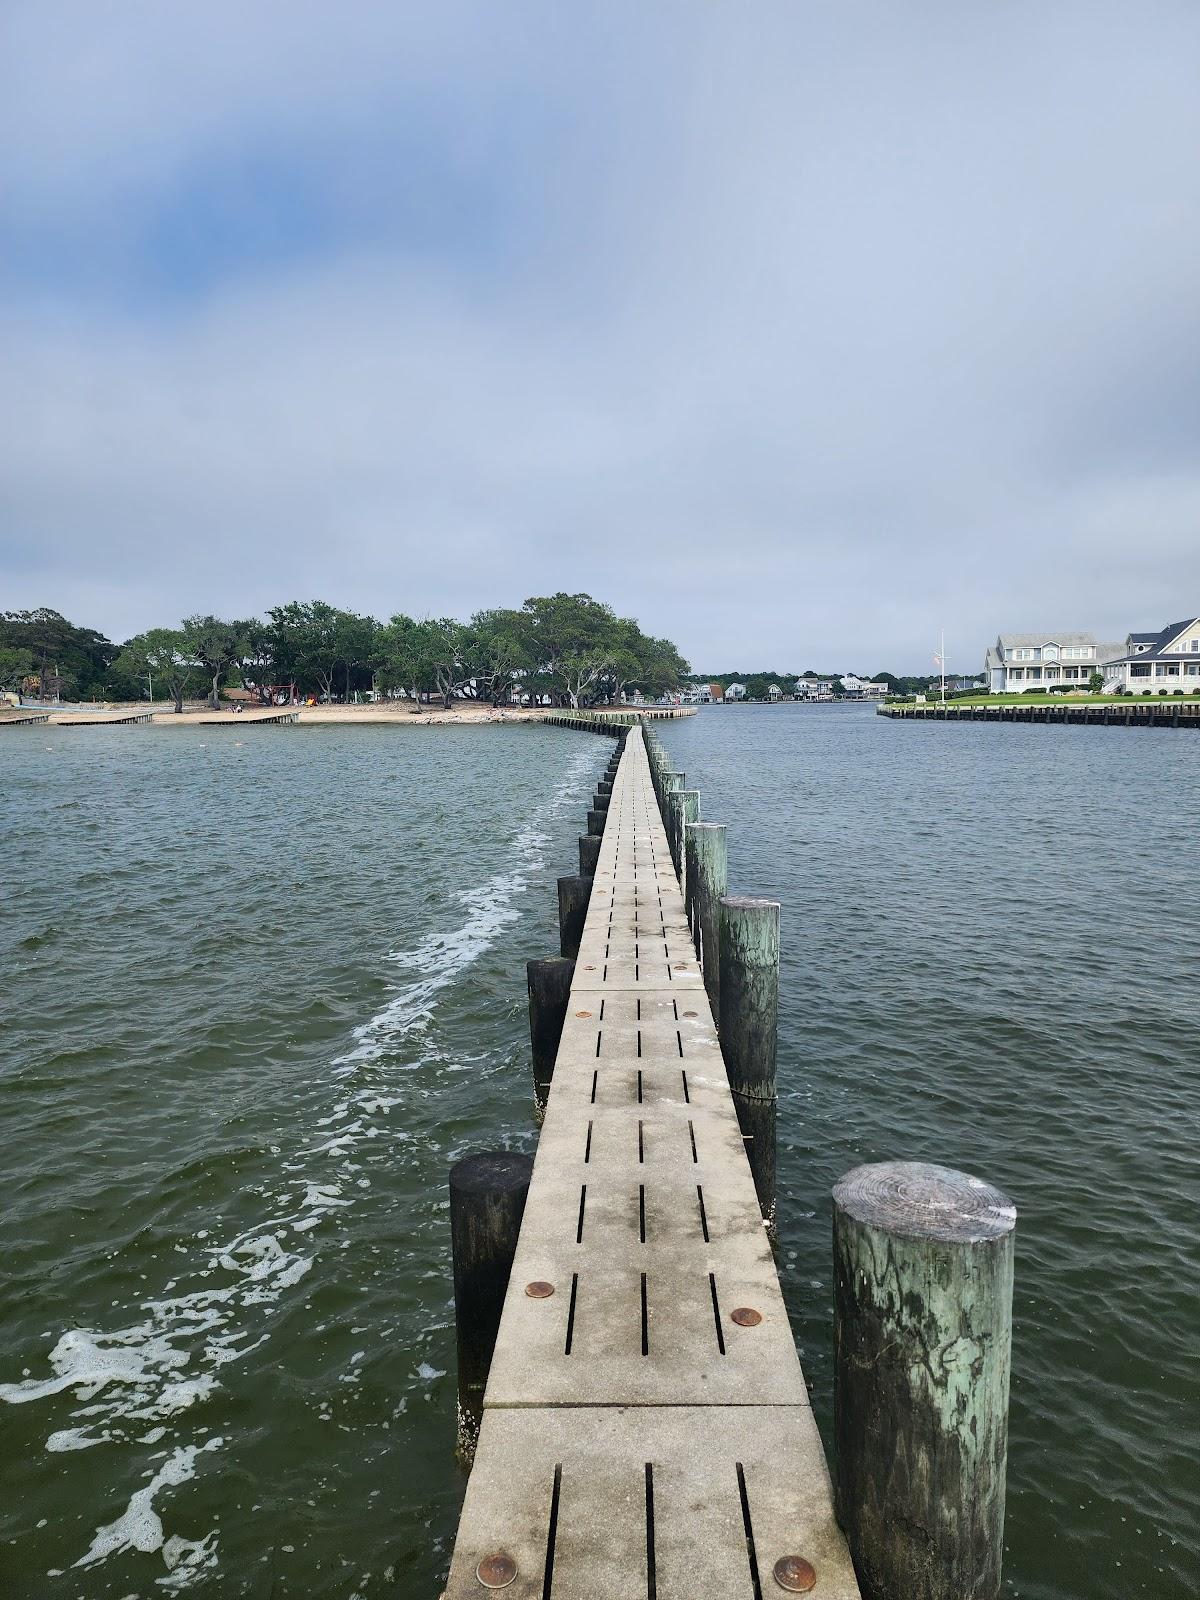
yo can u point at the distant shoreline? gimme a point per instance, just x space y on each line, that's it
397 713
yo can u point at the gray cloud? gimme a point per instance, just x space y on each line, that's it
798 336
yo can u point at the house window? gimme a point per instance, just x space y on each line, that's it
1140 670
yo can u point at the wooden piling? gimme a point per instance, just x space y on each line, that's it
748 1027
708 873
549 983
487 1202
573 897
595 821
686 805
672 783
923 1275
589 854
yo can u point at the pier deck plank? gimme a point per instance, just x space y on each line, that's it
630 1425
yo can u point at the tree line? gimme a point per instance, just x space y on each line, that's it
757 684
569 648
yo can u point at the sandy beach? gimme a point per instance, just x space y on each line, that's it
398 712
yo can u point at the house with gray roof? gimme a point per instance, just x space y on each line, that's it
1021 661
1164 661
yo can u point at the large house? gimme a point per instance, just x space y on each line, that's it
1019 661
863 688
1153 661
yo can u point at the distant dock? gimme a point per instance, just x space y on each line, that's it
1137 714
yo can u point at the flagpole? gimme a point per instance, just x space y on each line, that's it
943 666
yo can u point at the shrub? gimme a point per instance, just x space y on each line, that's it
1163 693
1179 692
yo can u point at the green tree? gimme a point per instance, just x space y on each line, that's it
163 655
497 652
356 636
15 666
311 639
1096 682
67 659
573 640
403 657
215 645
663 669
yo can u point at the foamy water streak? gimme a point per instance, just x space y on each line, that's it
134 1384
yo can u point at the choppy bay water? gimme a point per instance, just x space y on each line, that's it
261 987
991 959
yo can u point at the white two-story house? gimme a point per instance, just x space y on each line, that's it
1020 661
1153 661
863 688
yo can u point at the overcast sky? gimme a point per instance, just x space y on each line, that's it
799 331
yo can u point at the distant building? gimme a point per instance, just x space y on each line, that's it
774 692
862 688
1153 661
736 691
814 688
1019 661
699 694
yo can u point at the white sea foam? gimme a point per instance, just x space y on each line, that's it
139 1527
159 1366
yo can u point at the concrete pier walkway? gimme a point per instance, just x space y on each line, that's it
647 1429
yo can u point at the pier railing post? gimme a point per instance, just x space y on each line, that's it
749 1026
487 1202
923 1276
573 897
685 805
549 983
589 854
708 878
672 783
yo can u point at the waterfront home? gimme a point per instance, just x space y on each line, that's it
697 695
1020 661
736 691
774 692
814 688
1153 661
863 688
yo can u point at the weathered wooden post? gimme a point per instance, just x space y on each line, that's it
595 820
923 1277
672 782
686 805
748 1028
549 982
589 854
709 877
573 897
487 1201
